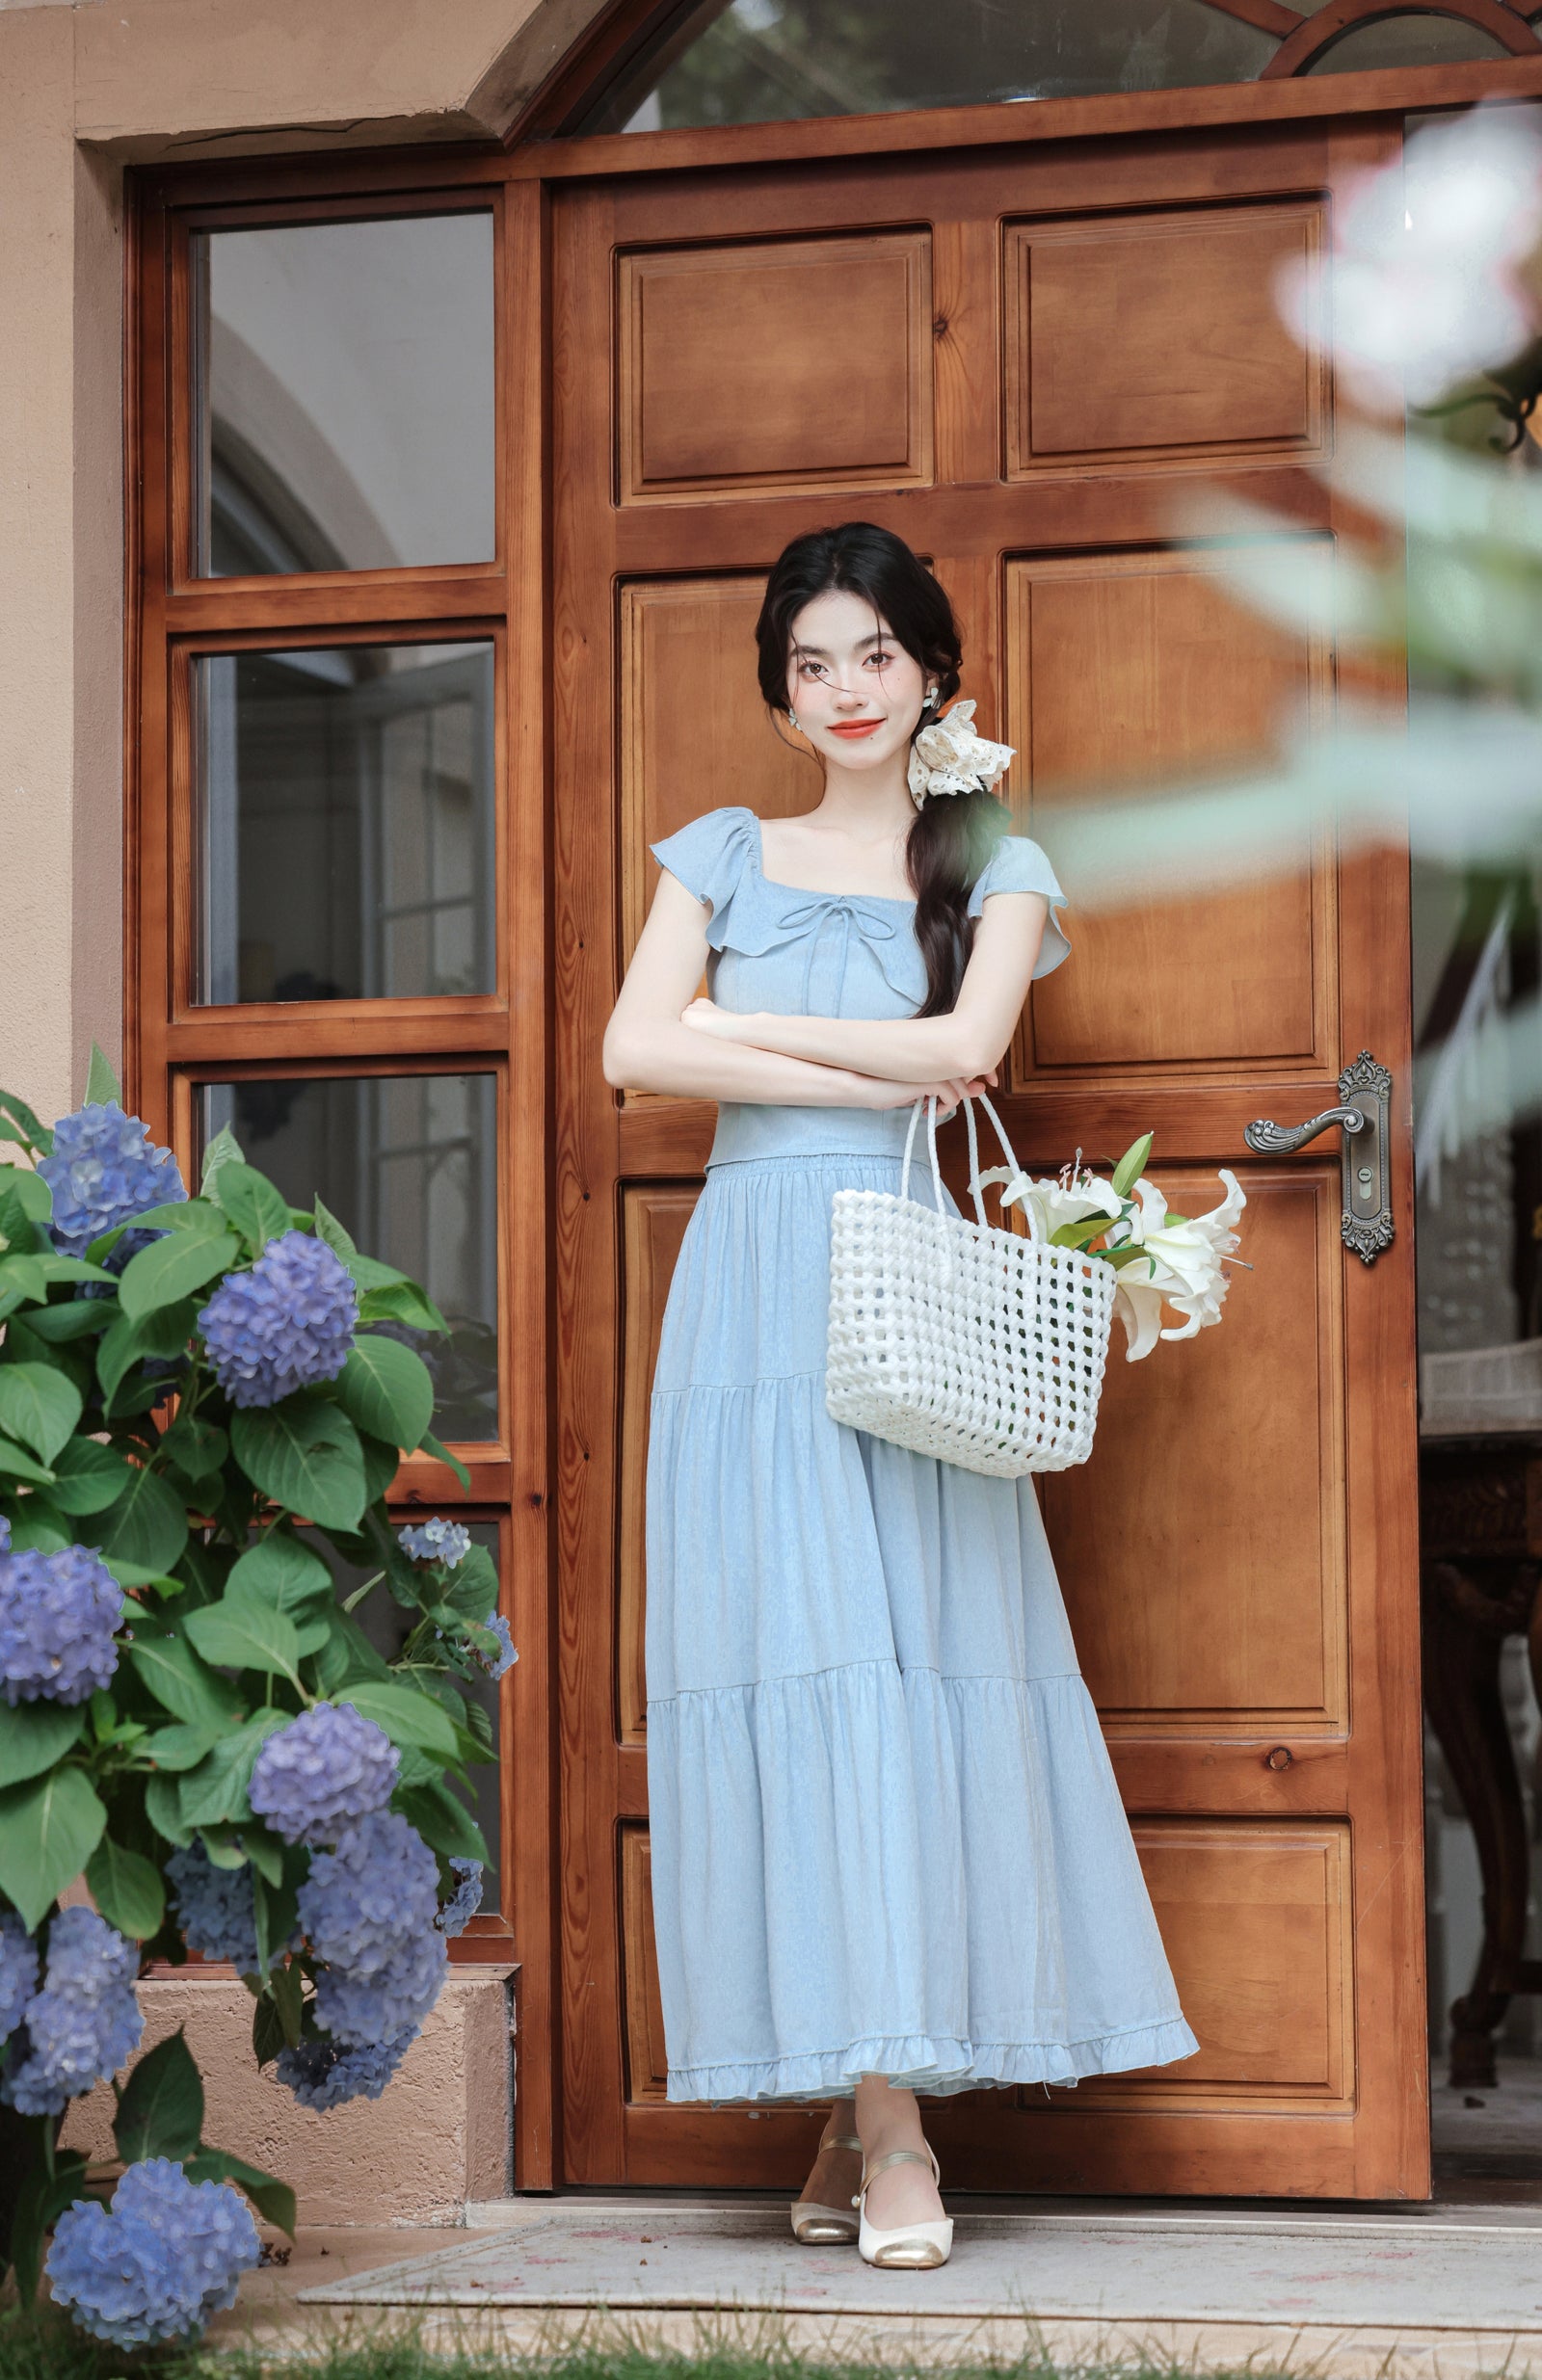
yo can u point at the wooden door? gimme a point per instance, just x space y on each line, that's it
1017 359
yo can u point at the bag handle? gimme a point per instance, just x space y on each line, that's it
931 1104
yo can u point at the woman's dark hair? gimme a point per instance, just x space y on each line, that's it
950 840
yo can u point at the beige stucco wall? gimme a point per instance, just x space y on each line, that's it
86 88
437 2137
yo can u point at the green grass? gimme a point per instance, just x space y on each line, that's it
45 2346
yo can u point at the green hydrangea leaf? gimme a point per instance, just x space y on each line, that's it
407 1716
169 1268
102 1086
147 1525
178 1747
280 1571
128 1889
216 1790
387 1390
252 1203
241 1632
16 1463
38 1406
428 1444
305 1455
33 1736
160 2112
444 1822
274 2200
184 1683
49 1826
88 1477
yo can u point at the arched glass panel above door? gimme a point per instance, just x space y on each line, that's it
746 62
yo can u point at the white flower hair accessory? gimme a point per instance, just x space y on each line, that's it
949 757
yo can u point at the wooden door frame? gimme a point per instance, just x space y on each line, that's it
166 1046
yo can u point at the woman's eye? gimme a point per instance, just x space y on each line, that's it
880 661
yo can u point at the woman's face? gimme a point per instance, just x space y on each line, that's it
855 693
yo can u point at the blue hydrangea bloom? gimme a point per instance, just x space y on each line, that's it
506 1656
459 1910
438 1540
104 1168
83 2025
213 1907
325 1769
368 1909
5 1534
155 2266
58 1616
286 1324
323 2076
19 1971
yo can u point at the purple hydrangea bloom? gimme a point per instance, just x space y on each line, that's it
19 1972
368 1909
5 1534
323 2076
459 1910
214 1908
325 1769
155 2266
438 1540
104 1168
85 2022
286 1324
58 1616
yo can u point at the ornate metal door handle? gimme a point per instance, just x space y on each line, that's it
1365 1093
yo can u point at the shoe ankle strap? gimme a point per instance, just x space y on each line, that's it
841 2140
897 2156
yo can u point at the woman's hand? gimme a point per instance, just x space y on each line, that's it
873 1092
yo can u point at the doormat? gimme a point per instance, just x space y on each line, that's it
1408 2273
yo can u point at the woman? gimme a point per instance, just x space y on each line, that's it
888 1850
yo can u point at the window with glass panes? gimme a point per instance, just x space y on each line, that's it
331 925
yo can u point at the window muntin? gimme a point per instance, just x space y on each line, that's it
344 395
408 1165
345 812
1413 40
740 62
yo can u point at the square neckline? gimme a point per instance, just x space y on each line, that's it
813 892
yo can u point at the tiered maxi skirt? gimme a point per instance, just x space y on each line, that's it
886 1835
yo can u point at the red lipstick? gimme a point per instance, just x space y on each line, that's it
855 728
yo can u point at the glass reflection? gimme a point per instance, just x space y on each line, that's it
345 394
767 60
1406 41
387 1626
408 1163
345 796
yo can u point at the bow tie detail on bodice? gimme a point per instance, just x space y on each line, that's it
828 924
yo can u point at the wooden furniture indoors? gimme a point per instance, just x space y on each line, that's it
1020 336
1480 1521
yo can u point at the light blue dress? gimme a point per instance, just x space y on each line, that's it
886 1833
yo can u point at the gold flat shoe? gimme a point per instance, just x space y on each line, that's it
826 2227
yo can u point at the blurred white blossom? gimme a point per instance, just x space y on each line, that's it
1425 290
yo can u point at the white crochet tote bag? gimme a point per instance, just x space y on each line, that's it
959 1340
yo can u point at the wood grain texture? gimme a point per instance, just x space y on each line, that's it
1144 664
1157 339
1196 1607
694 731
647 2061
728 377
653 1221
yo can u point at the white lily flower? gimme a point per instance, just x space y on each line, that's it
1048 1204
1187 1268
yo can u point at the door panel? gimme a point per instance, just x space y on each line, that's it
1038 360
1126 667
693 729
730 377
1155 340
1210 1609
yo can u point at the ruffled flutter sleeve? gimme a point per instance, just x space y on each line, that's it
1017 865
709 855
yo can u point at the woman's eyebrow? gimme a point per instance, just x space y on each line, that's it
817 653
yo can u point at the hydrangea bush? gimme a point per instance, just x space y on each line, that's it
196 1393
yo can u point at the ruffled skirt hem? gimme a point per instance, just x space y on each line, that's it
936 2068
